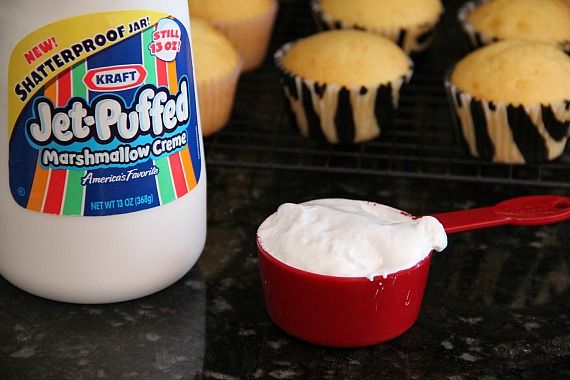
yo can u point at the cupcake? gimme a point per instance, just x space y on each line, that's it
247 23
512 101
535 20
409 23
342 85
217 65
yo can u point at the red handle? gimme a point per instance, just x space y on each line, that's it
522 211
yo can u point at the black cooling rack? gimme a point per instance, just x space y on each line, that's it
421 143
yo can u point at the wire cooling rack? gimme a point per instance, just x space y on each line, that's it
422 142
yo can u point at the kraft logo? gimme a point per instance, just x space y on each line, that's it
115 78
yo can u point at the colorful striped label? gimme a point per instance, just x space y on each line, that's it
103 121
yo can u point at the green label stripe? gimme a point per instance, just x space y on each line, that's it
74 192
164 180
73 202
148 59
77 75
164 177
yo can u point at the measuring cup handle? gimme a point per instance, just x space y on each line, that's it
522 211
473 219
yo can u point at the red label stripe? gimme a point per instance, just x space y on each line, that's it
63 88
58 178
162 73
55 191
178 175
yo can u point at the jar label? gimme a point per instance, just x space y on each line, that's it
102 115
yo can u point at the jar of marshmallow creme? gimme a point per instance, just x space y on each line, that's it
102 174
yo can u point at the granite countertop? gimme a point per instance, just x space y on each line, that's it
496 305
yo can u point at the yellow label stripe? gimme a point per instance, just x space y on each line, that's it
188 168
172 77
50 91
37 193
41 175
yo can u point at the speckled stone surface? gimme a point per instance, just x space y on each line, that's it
497 303
157 337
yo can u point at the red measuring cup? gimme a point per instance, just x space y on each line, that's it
354 311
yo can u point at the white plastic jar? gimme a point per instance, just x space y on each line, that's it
102 173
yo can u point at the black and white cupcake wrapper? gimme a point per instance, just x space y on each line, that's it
339 114
509 134
479 39
411 40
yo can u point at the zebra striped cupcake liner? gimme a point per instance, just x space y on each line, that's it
339 114
477 39
509 134
412 40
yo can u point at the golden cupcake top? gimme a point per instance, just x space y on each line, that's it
227 10
348 58
515 72
383 14
214 55
538 20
